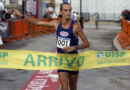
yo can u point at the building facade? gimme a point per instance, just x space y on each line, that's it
9 2
15 4
107 9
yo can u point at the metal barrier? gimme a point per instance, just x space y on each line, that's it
23 29
124 35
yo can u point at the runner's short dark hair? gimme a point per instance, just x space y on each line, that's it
63 4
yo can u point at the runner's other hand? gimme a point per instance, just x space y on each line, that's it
68 49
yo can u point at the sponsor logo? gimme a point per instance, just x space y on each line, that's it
3 58
64 34
109 57
100 55
110 54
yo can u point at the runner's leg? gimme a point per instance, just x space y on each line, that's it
73 78
64 77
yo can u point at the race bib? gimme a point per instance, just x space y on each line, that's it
63 42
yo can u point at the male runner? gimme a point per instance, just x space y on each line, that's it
67 42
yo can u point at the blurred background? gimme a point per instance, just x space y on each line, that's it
109 10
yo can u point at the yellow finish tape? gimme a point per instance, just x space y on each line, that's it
33 60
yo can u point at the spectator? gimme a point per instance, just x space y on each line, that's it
1 8
60 15
82 20
4 30
121 17
74 17
96 19
78 17
49 14
3 15
26 13
129 15
54 15
31 14
1 42
7 15
126 14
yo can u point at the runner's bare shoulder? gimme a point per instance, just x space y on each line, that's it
76 27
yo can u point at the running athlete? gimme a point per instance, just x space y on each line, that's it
67 42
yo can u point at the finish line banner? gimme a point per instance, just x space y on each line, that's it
33 60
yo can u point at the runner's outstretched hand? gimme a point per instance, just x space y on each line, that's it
17 13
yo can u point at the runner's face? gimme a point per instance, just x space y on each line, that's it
66 11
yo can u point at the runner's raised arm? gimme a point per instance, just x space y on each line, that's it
36 21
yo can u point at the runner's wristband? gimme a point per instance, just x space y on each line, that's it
76 47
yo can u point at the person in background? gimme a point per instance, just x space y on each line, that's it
1 8
96 19
54 15
4 32
31 14
82 20
126 14
1 42
5 18
60 15
78 17
3 15
74 17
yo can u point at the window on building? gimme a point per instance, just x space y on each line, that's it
13 1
